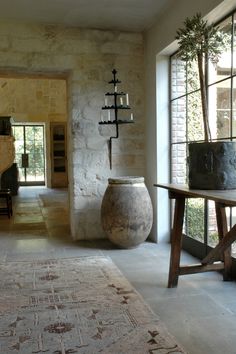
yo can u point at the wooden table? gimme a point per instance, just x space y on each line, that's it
221 254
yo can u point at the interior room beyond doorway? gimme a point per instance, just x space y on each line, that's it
35 104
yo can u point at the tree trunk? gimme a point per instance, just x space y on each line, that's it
207 134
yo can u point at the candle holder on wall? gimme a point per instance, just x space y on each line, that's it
120 101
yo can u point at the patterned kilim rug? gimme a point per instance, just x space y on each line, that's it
77 305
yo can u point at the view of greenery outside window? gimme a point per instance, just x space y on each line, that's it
186 126
29 143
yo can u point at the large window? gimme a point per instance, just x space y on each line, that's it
186 126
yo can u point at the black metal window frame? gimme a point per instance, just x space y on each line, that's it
197 248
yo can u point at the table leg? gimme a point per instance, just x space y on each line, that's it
222 231
176 242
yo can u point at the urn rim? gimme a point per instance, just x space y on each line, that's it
126 180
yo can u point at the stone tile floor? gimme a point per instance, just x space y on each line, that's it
200 313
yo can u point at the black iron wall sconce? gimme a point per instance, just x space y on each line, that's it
120 101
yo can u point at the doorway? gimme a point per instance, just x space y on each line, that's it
30 153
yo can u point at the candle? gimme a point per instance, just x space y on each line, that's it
131 116
109 115
127 99
101 117
121 101
106 102
115 88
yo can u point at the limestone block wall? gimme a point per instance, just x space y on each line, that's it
7 152
33 99
85 58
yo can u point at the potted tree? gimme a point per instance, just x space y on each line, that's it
212 165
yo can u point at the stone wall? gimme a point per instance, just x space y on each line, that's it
85 58
33 99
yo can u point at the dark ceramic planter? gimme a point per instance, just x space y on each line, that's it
212 165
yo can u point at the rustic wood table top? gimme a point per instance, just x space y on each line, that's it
222 196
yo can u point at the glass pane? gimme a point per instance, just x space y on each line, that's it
33 177
38 133
233 215
234 108
34 133
38 146
19 146
29 133
30 177
21 172
40 174
178 77
35 174
213 238
18 159
178 114
34 147
194 117
234 45
194 219
220 109
18 132
178 171
192 77
223 68
36 161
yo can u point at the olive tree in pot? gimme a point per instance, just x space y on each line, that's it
212 165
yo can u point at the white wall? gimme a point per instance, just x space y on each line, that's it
160 43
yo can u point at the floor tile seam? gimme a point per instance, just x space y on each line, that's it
214 318
177 296
190 318
219 303
158 297
44 219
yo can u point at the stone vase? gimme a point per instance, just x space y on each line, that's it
126 211
212 165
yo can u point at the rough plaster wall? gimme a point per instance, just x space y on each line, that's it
90 164
33 99
86 58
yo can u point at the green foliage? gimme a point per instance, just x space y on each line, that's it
192 76
213 238
195 219
194 117
197 38
197 42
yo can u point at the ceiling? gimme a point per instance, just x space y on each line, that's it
124 15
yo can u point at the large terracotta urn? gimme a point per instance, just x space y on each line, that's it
126 211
